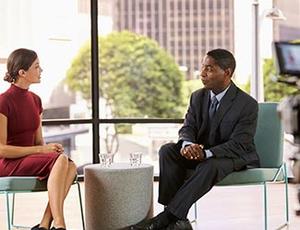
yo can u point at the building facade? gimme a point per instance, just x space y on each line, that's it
187 29
285 30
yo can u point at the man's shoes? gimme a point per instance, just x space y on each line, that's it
180 225
156 223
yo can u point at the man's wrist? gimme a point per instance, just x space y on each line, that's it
208 153
186 143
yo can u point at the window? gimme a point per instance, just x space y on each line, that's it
57 42
126 95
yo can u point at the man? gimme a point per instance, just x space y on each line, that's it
216 139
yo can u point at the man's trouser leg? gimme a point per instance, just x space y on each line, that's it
178 193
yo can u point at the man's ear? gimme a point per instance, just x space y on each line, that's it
228 72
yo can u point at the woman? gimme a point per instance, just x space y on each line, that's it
22 148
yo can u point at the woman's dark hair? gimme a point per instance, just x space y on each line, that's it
17 60
223 58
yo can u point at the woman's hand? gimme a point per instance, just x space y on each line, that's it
52 147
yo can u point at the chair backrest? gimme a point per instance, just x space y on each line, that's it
269 136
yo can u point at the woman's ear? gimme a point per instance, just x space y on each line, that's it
22 72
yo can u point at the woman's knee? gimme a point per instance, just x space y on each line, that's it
72 167
63 158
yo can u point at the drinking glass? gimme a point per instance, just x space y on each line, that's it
135 159
106 159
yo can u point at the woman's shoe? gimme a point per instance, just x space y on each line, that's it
53 228
37 227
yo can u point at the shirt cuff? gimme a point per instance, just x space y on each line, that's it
208 153
185 143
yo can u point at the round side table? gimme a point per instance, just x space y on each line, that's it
117 196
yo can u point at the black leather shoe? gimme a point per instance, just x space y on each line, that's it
53 228
37 227
152 224
180 225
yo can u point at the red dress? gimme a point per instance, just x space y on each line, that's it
22 109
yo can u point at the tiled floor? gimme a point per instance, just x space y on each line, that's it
232 208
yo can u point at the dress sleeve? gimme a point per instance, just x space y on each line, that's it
4 108
40 105
38 102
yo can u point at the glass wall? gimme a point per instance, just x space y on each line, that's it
76 140
149 55
56 30
145 138
149 61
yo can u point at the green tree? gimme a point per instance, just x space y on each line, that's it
189 87
274 91
137 77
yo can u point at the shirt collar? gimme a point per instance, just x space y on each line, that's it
220 95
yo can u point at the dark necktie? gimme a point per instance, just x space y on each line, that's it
213 107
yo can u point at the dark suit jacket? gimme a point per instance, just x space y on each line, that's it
231 132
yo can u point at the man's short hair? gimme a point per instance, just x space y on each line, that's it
223 58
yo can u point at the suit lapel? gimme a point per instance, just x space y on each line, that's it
203 109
